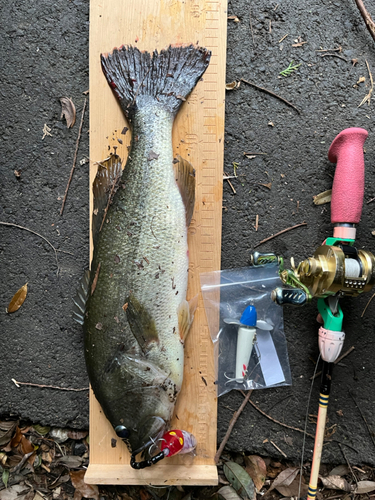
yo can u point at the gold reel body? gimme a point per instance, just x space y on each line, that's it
331 271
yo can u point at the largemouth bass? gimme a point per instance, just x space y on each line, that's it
133 303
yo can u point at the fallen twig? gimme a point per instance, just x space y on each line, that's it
75 158
227 177
277 421
254 153
37 234
350 467
335 362
366 17
283 38
368 303
364 418
334 55
370 201
339 49
273 94
110 197
280 232
17 383
367 98
278 449
231 425
251 26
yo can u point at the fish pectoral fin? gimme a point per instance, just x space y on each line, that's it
81 297
185 178
141 323
104 187
185 315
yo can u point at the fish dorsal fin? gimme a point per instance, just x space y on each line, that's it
104 187
185 313
81 297
141 323
185 178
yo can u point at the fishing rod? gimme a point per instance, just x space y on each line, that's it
337 269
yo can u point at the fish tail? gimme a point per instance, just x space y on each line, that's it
167 76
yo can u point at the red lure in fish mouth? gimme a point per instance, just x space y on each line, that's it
172 443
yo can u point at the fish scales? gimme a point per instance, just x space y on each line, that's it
137 315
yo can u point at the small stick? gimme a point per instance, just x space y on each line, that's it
368 96
278 449
227 177
251 26
350 467
283 38
37 234
277 421
334 55
231 425
281 232
366 17
110 197
339 49
368 303
335 362
256 222
372 199
364 418
256 154
74 159
17 383
273 94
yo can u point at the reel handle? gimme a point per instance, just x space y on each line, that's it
349 181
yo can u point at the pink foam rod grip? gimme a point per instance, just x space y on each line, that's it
349 181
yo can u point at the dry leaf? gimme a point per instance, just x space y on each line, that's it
77 434
83 489
340 470
228 493
70 461
361 79
257 470
239 479
268 185
18 299
293 489
230 86
7 428
335 483
271 124
364 487
13 492
233 18
68 110
285 478
322 198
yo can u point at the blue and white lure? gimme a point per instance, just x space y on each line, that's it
246 340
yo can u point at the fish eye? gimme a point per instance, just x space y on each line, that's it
122 431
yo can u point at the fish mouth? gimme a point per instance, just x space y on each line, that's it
149 432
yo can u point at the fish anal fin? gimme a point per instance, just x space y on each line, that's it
185 315
81 297
141 323
185 179
104 187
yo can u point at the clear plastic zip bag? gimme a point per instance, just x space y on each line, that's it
246 327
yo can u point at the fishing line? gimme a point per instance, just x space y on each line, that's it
305 429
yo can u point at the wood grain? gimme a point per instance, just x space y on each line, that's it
198 135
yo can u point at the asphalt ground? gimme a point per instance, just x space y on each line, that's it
44 57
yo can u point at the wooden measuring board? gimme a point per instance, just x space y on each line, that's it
198 135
